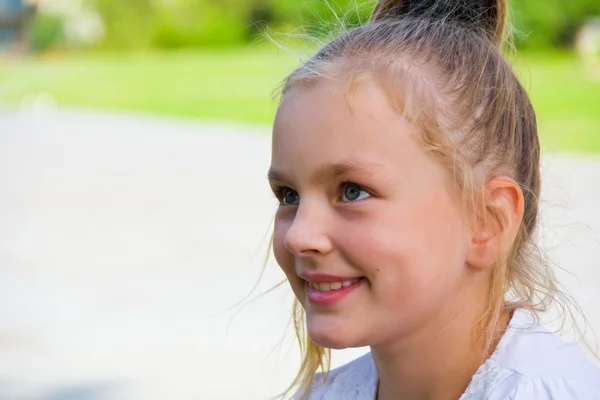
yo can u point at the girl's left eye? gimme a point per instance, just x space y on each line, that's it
353 192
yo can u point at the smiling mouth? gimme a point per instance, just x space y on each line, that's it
331 286
327 294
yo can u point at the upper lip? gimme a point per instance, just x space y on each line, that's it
322 278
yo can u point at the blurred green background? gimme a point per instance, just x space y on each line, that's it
212 58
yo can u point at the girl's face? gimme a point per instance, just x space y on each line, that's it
368 232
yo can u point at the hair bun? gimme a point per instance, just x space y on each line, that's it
487 16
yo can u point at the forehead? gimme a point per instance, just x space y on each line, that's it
322 124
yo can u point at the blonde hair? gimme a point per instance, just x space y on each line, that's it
441 64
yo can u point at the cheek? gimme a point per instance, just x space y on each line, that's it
410 248
441 236
284 258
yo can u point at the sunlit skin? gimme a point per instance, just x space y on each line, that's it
360 198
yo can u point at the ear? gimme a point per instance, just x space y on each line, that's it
497 222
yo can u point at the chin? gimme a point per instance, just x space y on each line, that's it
333 337
329 342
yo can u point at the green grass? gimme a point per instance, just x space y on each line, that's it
238 84
234 85
566 100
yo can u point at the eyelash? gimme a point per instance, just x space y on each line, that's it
278 190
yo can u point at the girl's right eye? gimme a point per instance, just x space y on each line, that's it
289 197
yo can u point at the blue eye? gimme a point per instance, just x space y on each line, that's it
353 192
289 197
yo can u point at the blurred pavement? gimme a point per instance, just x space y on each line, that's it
122 238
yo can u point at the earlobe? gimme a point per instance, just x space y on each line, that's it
482 236
498 222
484 249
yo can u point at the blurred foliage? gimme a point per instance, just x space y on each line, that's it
215 23
45 31
550 23
141 24
128 24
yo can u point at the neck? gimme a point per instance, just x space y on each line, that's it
437 363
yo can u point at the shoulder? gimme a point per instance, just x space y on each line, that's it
536 364
355 380
548 388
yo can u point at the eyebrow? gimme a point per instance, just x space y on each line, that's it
333 170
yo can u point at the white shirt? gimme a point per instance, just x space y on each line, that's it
529 363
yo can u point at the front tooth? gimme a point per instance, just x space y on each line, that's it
324 287
335 285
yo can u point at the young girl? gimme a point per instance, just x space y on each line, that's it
406 162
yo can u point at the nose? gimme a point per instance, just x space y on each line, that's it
308 232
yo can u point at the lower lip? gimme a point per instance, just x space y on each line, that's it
332 296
